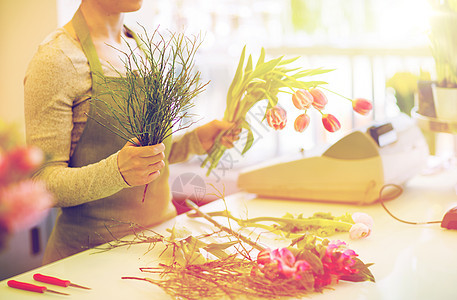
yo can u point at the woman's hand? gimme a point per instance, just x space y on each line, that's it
207 134
140 165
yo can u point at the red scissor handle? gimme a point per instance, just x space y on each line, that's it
26 286
51 280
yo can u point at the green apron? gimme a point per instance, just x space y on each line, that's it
84 226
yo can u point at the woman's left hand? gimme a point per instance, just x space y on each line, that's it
207 133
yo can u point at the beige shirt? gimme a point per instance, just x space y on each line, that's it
57 87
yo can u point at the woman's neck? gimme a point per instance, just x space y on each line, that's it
103 24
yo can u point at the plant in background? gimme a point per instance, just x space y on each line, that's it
23 201
156 91
443 42
265 81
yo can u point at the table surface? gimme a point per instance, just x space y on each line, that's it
410 261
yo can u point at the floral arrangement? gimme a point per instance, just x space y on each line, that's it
154 94
23 201
198 269
265 81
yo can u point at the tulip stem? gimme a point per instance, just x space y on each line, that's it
336 93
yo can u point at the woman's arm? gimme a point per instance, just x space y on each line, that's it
57 76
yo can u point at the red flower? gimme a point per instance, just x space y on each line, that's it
319 99
362 106
302 99
301 122
276 118
330 122
337 261
26 159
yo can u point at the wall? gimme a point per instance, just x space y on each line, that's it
24 24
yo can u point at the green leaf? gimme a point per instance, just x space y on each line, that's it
248 67
312 259
264 68
218 249
261 57
237 78
364 273
311 72
250 137
288 61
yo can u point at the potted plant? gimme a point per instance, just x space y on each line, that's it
443 42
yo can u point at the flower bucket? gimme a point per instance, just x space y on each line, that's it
445 103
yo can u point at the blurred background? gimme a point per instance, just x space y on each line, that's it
378 48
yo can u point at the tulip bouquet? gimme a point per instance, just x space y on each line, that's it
23 201
265 81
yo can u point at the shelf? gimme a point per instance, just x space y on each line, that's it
434 124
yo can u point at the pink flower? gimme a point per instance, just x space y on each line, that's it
360 217
276 118
358 231
330 122
282 262
3 168
302 99
26 159
301 122
337 261
362 106
319 99
23 204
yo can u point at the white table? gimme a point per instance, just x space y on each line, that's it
410 262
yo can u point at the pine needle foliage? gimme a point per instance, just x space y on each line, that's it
154 93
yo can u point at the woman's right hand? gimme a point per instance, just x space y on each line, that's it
140 165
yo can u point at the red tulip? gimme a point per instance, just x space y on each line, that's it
276 118
301 122
362 106
319 98
302 99
330 122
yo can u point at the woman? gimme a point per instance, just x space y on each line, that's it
95 176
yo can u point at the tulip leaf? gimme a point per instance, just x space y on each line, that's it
236 78
288 61
250 137
311 72
266 67
248 67
261 57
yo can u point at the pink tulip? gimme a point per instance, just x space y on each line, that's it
276 118
358 231
302 99
301 122
362 106
319 99
330 122
264 257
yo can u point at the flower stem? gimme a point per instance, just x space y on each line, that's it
336 93
145 190
192 205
